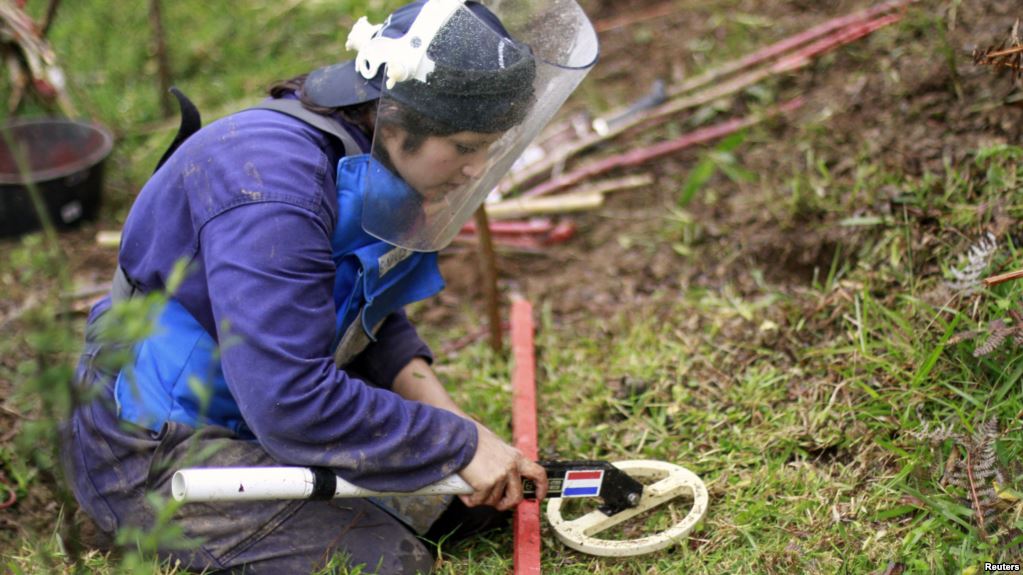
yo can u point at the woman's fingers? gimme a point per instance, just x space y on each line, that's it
536 472
488 492
492 495
496 473
512 492
479 497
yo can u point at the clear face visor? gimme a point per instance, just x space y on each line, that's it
462 100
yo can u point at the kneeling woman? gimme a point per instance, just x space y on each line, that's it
307 224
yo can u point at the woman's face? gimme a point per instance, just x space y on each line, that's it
441 164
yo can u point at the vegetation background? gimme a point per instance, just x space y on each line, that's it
794 314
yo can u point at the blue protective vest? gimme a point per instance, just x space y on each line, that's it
177 375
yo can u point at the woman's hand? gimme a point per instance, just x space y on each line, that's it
497 469
496 473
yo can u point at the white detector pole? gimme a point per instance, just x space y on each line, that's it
263 483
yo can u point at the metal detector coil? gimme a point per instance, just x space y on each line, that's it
670 481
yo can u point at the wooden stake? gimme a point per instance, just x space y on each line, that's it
488 269
162 61
585 197
51 13
615 185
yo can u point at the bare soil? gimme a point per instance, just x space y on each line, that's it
892 101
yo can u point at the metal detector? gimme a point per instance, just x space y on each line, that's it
626 488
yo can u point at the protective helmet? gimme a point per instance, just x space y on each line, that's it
501 69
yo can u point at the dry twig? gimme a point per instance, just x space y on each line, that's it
10 495
51 14
1008 54
974 498
1002 278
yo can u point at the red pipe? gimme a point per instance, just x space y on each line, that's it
638 156
824 29
527 514
513 227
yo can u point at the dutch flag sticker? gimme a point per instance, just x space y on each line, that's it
582 483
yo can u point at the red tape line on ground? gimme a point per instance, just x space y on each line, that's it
527 514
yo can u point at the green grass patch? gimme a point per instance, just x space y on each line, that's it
828 417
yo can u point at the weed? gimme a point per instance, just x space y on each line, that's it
721 159
967 280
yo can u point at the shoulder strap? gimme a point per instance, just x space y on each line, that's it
295 109
123 287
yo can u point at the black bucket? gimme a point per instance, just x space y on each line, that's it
65 164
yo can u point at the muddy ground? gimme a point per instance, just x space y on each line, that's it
908 100
893 103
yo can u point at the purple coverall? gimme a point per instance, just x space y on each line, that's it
250 200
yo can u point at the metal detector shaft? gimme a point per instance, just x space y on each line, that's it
263 483
567 479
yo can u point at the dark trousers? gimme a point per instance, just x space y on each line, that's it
114 466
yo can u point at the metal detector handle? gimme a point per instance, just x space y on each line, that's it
589 478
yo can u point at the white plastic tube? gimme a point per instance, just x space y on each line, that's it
262 483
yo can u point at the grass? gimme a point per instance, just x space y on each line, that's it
798 404
801 403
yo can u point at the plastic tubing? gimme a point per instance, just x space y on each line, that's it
263 483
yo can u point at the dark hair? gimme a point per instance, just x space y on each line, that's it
359 114
417 127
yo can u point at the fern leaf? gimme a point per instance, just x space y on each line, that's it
997 335
967 279
938 434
